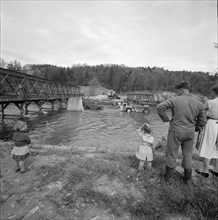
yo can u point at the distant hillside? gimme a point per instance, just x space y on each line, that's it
122 79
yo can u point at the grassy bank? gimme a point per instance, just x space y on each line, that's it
94 183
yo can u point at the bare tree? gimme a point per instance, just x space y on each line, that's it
3 64
14 65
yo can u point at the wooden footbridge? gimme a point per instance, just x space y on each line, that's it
22 89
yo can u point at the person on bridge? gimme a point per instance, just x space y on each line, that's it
188 116
21 149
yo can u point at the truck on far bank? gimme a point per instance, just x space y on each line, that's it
113 95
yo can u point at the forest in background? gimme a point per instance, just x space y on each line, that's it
119 78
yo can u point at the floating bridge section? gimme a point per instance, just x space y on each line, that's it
22 89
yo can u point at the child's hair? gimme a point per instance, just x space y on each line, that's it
20 125
147 128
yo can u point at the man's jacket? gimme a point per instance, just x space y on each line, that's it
188 114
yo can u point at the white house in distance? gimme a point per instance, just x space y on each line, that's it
95 90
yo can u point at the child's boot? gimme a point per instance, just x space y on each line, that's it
22 167
17 169
141 165
149 165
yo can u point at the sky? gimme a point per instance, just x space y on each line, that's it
172 34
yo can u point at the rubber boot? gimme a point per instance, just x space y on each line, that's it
187 175
188 179
168 173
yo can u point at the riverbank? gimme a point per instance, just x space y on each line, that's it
66 182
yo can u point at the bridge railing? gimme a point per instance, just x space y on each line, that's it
20 86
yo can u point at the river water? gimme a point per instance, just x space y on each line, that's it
109 128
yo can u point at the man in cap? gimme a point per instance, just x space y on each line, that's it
188 116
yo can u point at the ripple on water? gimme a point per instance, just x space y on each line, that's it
109 128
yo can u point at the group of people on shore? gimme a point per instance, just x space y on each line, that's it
189 115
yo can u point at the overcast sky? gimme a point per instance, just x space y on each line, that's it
175 35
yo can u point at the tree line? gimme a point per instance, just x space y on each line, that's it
119 78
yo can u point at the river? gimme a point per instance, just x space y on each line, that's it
109 128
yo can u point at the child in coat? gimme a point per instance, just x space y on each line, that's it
21 149
145 151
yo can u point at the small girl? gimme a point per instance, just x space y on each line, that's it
21 149
145 152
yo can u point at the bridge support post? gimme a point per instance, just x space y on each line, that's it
3 107
21 108
62 103
75 104
52 104
39 104
26 107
